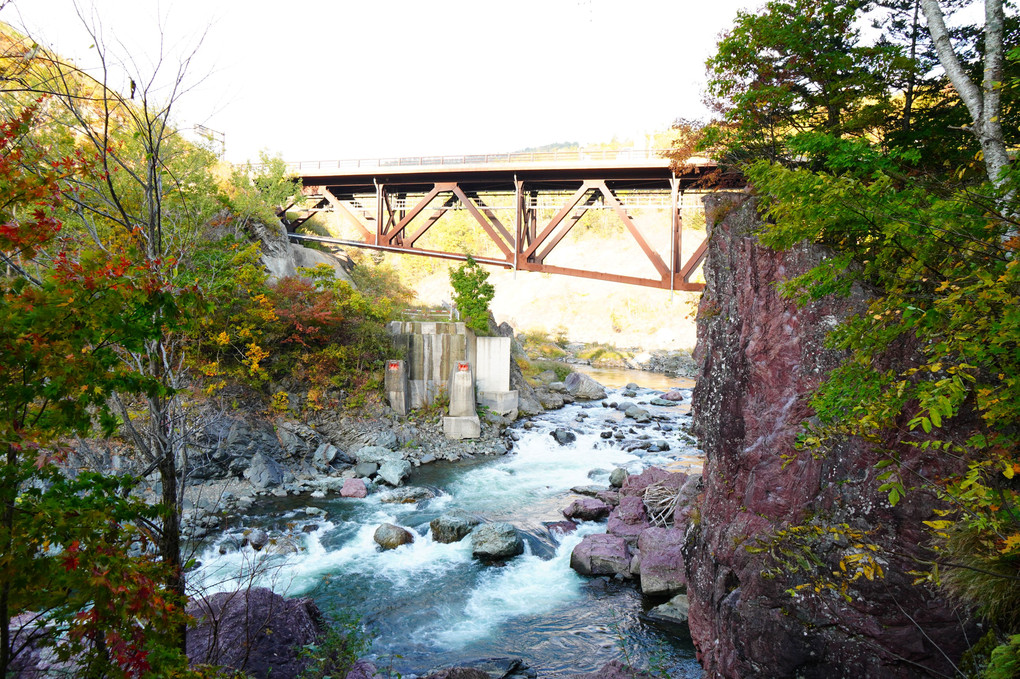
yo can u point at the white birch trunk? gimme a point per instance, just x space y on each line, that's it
985 102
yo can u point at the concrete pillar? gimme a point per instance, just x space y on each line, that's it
432 350
461 386
397 386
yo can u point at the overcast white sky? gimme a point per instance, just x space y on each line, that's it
319 79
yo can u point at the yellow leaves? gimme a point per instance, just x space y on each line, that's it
280 402
856 565
214 387
253 356
939 527
941 524
211 369
1010 544
223 339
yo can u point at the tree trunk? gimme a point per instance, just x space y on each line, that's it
984 103
9 495
169 543
908 98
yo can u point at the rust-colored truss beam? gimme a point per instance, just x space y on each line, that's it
595 188
348 208
399 226
309 213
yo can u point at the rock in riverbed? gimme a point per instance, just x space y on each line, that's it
354 488
452 527
601 554
496 541
587 509
389 536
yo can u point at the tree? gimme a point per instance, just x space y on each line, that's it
796 66
136 201
472 294
65 573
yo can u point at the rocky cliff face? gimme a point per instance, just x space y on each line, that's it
760 357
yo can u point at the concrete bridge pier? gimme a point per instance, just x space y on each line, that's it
463 422
397 386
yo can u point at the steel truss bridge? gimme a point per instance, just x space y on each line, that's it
526 203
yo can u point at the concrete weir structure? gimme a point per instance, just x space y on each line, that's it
434 353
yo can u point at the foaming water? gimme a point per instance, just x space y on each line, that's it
529 585
430 604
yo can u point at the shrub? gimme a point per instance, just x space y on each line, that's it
472 295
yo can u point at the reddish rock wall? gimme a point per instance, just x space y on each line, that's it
760 356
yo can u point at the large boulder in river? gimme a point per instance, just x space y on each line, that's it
407 495
452 527
394 472
638 414
376 454
601 554
674 611
366 469
617 477
354 488
486 668
583 387
254 631
629 518
615 670
662 561
674 395
587 509
258 539
635 484
563 436
389 536
496 541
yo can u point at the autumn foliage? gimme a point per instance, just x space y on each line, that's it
67 578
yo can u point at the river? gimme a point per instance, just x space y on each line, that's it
430 605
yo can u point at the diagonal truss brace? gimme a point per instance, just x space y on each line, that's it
598 187
485 217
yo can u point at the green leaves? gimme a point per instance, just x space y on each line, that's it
797 65
472 294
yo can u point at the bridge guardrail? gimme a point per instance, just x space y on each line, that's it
526 157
